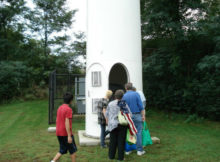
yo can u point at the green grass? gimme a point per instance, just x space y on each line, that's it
24 137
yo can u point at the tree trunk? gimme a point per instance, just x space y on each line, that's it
45 37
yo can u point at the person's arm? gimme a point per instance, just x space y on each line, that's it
104 111
104 106
106 119
67 125
141 107
143 114
143 98
106 114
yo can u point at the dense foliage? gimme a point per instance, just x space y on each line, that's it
29 49
181 49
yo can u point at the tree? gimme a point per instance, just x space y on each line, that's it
164 18
51 16
181 42
79 50
26 61
75 54
11 28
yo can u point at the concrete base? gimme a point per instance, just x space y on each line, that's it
84 140
155 140
51 129
87 141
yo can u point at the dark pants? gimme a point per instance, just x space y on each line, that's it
65 146
117 140
103 134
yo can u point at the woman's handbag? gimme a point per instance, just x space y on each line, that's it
121 119
146 138
131 139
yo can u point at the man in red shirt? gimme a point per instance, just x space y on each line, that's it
64 129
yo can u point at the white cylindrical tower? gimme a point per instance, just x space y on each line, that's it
113 52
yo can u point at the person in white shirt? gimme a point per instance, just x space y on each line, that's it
143 98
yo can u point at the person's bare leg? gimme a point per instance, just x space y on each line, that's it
58 155
73 157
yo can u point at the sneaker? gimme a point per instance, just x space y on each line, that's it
127 152
140 153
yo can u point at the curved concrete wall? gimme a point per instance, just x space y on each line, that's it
113 36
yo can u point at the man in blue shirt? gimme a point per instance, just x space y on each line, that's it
135 104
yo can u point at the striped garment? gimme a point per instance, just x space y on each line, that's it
127 114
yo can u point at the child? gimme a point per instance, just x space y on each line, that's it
64 129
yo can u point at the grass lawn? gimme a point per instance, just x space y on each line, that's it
24 137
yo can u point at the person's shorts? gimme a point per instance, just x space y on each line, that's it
65 146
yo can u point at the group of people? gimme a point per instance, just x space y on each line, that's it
108 116
131 102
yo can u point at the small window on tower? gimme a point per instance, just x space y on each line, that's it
96 78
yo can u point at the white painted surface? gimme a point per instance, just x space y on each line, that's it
87 141
113 36
51 129
155 140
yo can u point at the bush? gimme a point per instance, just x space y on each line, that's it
35 92
14 77
171 85
208 86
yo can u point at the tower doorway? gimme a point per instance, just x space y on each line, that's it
118 77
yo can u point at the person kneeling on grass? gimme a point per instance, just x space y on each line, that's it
64 129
